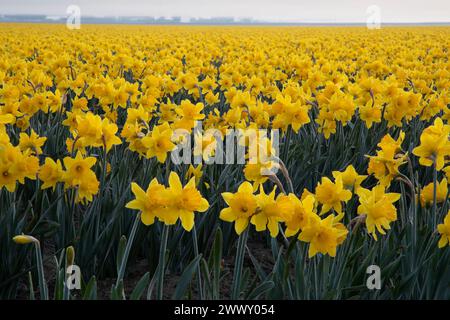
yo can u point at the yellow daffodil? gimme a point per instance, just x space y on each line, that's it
444 231
159 142
427 193
297 213
195 172
323 236
350 178
31 142
51 173
434 145
151 202
377 206
183 202
331 195
268 214
242 206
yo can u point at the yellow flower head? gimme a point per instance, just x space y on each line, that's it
268 214
159 143
51 173
298 213
87 188
89 129
242 205
183 202
150 202
434 145
323 236
31 142
189 111
444 231
331 195
77 169
377 206
427 193
385 165
195 172
350 178
109 138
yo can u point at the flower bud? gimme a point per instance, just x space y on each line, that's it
24 239
70 255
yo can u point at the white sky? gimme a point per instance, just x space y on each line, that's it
280 10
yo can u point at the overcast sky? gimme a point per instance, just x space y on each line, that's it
279 10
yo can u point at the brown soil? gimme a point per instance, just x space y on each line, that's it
138 268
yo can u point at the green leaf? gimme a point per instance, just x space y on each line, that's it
117 292
30 280
186 279
217 262
206 276
90 292
121 252
259 270
260 290
140 287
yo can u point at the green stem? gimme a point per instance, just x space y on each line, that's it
195 240
287 143
102 191
434 195
237 274
316 279
40 267
162 262
30 281
123 263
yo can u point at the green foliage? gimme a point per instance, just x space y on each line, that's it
412 266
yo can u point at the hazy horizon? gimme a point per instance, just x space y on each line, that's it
319 11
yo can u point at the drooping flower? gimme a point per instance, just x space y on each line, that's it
109 138
89 129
